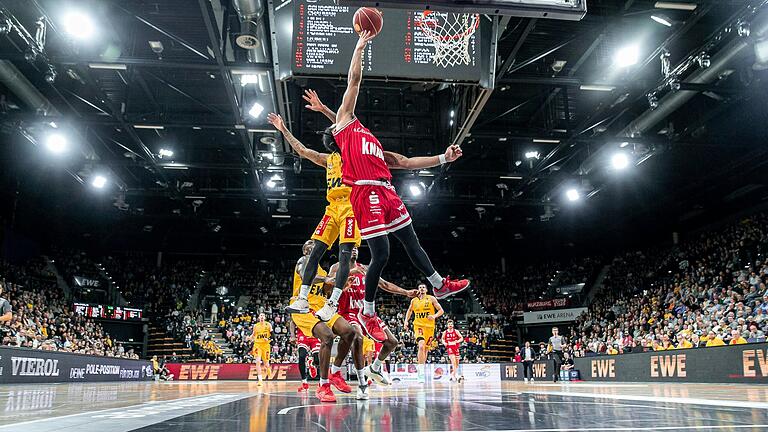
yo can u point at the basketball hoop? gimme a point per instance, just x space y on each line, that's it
450 33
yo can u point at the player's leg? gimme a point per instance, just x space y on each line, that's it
345 255
376 369
325 335
421 359
303 368
455 364
301 305
350 339
265 359
443 287
372 325
257 359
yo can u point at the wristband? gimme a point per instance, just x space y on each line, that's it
442 159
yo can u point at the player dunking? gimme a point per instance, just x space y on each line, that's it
308 323
262 332
426 309
452 340
350 306
378 209
337 223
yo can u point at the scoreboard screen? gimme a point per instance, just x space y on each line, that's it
108 312
324 39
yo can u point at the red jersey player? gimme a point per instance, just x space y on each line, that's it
452 340
350 307
378 209
309 347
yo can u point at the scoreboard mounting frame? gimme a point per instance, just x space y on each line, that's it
570 10
289 32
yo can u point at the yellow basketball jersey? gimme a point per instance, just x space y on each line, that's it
422 308
336 189
316 296
261 333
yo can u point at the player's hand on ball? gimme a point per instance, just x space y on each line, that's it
452 153
313 100
276 121
365 37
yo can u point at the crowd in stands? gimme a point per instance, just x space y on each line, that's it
43 319
709 290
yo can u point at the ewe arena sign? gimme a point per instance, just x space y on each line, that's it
553 316
727 364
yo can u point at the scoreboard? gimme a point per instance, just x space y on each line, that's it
323 39
108 312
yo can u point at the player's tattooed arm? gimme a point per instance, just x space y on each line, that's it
398 161
346 111
315 104
304 152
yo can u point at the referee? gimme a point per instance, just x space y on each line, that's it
556 348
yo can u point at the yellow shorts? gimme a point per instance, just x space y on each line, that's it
368 345
261 351
306 322
426 333
338 223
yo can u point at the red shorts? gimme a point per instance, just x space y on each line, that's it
352 319
452 350
378 346
378 209
311 344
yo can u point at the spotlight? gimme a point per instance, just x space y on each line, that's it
532 155
99 182
653 101
704 60
662 19
165 153
56 143
415 190
256 110
248 79
50 75
78 25
272 182
627 56
572 195
620 161
5 26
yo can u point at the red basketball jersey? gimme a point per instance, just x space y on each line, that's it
451 337
351 300
362 154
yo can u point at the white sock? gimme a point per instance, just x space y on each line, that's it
376 365
304 381
335 296
361 377
323 381
335 369
369 308
304 292
436 280
420 368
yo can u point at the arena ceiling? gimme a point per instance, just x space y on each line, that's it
693 138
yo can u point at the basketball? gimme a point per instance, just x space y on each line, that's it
370 19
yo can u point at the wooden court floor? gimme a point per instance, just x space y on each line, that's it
510 406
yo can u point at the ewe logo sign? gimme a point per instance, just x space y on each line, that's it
21 365
553 316
727 364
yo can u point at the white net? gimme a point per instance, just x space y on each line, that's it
450 33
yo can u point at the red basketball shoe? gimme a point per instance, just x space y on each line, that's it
373 326
325 394
451 287
338 381
304 387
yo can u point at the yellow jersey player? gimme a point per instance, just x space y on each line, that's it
338 222
262 332
325 331
426 309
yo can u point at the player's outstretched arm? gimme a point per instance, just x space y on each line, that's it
398 161
315 104
394 289
307 153
346 111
